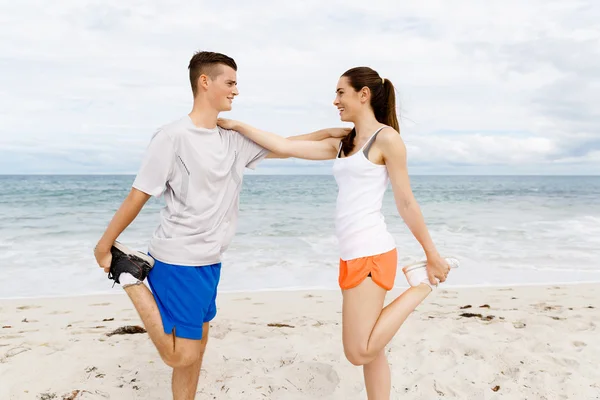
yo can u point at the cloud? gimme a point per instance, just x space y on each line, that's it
492 86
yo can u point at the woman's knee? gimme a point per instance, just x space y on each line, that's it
357 356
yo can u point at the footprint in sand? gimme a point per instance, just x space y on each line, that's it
27 307
314 379
219 331
60 312
13 352
11 337
447 295
243 299
474 353
566 362
83 332
82 395
579 344
99 304
519 324
513 373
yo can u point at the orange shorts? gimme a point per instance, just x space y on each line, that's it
382 268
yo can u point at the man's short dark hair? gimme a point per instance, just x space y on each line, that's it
208 63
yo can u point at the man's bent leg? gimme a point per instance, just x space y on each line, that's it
185 379
174 352
174 312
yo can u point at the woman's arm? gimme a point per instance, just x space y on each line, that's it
394 155
307 149
319 135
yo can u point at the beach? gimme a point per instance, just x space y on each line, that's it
528 342
517 320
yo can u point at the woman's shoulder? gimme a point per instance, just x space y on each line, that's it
388 135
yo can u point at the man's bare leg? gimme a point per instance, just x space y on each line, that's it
175 352
185 379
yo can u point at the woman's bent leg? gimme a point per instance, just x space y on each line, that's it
366 327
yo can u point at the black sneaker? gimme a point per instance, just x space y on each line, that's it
134 262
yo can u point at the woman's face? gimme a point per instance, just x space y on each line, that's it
347 100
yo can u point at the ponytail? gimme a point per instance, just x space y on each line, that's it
390 117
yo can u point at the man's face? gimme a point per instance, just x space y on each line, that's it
222 88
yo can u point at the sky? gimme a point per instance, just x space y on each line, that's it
484 87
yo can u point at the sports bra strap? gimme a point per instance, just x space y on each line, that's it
339 150
371 141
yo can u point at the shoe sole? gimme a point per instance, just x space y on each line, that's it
454 263
126 250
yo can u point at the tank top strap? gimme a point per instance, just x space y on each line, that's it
370 142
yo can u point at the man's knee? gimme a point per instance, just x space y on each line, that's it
184 355
182 359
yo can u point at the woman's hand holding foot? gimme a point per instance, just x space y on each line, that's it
437 269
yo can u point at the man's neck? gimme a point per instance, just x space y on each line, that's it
203 116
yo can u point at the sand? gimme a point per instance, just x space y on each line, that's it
533 342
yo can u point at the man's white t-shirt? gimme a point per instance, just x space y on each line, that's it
200 172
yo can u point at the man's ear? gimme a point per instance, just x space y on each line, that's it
203 81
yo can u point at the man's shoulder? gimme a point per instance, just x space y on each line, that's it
173 132
230 133
174 128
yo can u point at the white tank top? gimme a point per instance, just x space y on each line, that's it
359 224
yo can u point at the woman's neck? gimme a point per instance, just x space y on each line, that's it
365 126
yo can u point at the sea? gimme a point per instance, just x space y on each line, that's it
506 231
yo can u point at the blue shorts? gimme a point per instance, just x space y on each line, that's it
186 296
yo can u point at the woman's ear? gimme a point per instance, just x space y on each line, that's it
365 94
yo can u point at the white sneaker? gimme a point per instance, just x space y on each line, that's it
416 273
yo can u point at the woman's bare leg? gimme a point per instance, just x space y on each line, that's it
378 379
366 327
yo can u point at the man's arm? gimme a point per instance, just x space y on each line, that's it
129 210
316 136
151 180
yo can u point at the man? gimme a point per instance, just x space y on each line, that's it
198 167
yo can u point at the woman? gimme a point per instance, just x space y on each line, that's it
366 160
